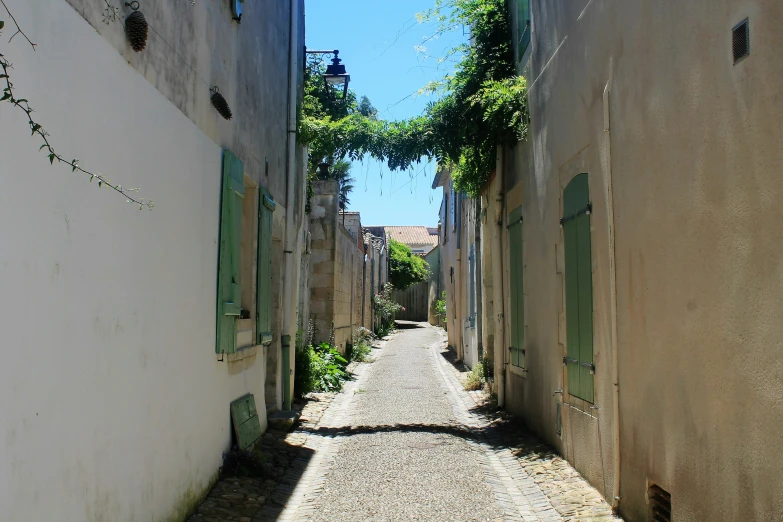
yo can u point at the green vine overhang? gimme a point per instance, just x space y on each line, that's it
483 104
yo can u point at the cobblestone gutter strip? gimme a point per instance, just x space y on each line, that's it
547 483
519 499
293 459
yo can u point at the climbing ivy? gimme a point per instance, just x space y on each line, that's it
478 107
405 268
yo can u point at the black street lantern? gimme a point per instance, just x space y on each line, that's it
323 170
335 74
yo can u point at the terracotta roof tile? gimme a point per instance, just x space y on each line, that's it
413 235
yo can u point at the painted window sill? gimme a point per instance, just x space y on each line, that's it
244 353
518 371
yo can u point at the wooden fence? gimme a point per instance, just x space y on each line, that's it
415 300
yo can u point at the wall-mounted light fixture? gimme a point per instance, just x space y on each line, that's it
323 170
335 74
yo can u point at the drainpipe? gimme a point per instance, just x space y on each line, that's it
612 292
364 285
479 308
497 285
290 276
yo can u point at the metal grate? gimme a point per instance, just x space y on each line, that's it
660 502
740 40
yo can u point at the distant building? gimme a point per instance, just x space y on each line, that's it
420 239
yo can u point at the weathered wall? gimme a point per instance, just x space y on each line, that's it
435 286
323 257
414 301
359 299
247 61
450 266
353 224
467 229
344 290
371 272
192 48
489 233
694 162
114 348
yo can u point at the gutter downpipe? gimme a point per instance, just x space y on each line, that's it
289 275
497 285
612 292
479 318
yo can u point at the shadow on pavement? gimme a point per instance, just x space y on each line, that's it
409 325
262 494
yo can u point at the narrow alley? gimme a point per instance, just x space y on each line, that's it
404 441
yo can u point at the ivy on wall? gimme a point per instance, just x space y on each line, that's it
481 105
405 268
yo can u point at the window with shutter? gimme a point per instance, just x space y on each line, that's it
579 288
266 209
523 27
229 291
516 264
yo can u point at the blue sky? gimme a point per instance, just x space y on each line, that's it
380 43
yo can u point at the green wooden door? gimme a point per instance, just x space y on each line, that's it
266 208
517 296
579 288
229 292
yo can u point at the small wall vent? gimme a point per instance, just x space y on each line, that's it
740 40
660 502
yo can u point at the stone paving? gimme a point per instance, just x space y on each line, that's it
404 441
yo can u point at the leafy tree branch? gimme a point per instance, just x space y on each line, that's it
18 29
481 105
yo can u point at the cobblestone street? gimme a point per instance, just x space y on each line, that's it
404 441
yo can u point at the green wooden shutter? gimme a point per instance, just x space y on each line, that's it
523 27
266 208
517 288
229 290
579 288
247 426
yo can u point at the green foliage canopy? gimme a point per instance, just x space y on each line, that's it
480 106
405 268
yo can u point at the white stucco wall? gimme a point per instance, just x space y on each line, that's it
113 405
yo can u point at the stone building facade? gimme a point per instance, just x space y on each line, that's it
348 267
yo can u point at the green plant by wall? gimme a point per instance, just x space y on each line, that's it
405 268
440 306
323 102
476 378
361 348
386 309
360 352
318 369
